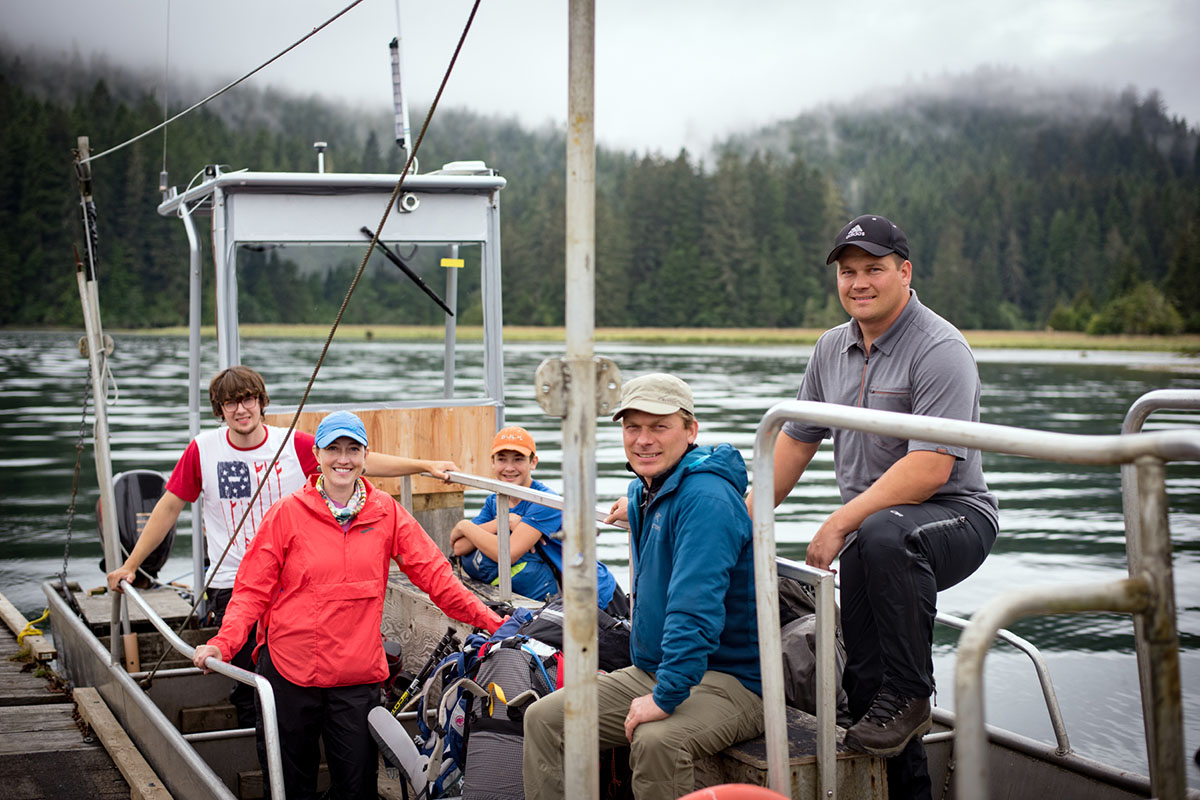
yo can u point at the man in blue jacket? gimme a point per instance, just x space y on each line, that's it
694 687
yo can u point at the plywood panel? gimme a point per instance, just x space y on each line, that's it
462 434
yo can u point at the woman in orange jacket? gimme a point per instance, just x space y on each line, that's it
315 575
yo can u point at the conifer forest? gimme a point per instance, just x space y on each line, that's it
1067 213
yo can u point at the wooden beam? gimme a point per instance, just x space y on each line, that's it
143 782
39 646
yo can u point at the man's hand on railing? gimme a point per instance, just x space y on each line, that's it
203 653
619 512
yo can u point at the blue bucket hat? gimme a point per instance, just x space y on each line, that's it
341 423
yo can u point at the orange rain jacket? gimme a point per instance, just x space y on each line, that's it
320 590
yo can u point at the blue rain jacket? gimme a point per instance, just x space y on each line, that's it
694 582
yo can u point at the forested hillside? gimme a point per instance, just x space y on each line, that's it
1077 212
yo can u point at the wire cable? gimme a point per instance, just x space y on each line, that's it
226 88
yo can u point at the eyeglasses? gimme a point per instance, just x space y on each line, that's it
250 403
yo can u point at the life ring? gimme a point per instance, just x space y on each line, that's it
734 791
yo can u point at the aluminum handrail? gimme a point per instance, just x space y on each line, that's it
1149 450
266 694
548 499
502 490
1062 743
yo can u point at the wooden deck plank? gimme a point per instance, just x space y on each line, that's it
144 784
97 609
44 754
39 646
55 775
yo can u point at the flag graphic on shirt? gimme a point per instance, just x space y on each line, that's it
233 479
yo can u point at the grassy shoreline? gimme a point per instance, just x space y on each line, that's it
1056 340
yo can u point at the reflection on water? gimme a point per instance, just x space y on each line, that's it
1060 524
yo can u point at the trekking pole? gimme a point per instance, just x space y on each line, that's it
447 645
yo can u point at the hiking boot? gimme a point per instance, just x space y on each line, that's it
889 724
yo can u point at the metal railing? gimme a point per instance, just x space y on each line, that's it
1149 593
266 694
1062 744
1135 418
503 492
825 631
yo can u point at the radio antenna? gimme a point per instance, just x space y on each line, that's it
399 100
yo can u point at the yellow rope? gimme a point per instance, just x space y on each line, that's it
29 630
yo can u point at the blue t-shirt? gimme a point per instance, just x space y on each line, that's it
531 576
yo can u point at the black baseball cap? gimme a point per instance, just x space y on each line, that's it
877 235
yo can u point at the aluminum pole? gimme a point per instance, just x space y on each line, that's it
1168 776
1135 418
581 737
493 319
195 265
226 281
451 326
86 277
503 548
770 647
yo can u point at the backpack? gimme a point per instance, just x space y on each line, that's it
798 641
436 767
512 673
442 745
612 635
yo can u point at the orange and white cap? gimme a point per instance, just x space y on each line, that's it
516 438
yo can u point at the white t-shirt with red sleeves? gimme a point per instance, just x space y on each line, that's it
228 476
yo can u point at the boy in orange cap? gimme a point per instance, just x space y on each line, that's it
535 554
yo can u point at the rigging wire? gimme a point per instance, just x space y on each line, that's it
145 682
225 88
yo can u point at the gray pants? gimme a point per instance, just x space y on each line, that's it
720 711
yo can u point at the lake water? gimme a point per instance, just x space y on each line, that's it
1060 524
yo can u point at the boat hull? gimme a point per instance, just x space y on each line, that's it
184 768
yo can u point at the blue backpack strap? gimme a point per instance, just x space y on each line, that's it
536 659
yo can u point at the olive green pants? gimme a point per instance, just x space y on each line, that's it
720 711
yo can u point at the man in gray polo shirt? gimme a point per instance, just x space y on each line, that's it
917 516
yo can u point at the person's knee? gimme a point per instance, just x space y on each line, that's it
884 535
543 717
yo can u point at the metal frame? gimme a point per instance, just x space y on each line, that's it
331 208
1150 593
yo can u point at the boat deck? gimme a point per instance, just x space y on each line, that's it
44 752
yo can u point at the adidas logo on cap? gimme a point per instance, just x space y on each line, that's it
855 231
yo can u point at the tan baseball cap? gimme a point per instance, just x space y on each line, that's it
656 393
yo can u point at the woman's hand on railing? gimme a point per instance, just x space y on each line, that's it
203 653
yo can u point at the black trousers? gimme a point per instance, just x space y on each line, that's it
310 715
891 574
242 696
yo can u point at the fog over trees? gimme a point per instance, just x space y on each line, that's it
1026 206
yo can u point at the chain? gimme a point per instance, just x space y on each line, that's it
62 576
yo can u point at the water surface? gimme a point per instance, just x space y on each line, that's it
1060 524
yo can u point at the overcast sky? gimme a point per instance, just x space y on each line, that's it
669 73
